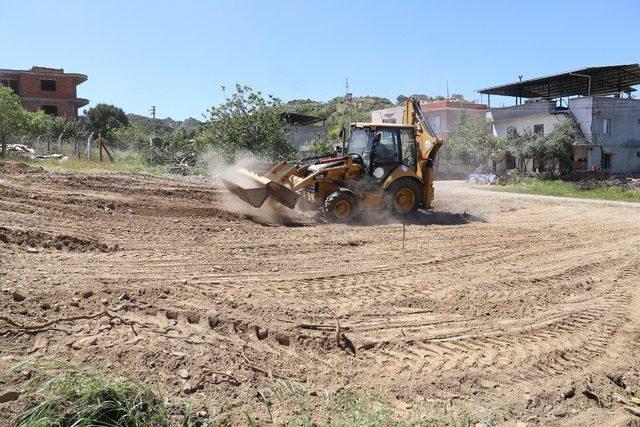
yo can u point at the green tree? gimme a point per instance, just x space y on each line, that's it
559 145
104 119
65 126
39 123
247 121
321 145
13 117
471 143
546 152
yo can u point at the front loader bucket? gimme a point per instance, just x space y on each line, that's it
255 189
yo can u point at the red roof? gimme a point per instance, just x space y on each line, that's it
437 105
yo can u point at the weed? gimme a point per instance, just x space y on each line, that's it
567 189
65 396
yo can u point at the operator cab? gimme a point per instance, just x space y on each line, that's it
382 148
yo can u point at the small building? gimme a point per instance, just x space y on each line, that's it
596 100
303 130
48 89
441 115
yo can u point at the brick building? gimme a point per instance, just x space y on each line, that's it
48 89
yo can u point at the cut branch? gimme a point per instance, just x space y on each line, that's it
45 325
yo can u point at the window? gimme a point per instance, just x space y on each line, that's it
48 85
13 84
606 161
538 129
387 149
606 126
434 121
50 109
637 153
408 148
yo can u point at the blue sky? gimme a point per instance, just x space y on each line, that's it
177 54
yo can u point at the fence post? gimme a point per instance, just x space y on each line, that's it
89 146
60 142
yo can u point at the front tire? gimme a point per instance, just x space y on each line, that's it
404 196
339 206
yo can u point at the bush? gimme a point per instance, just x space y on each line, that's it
82 399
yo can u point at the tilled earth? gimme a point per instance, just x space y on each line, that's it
506 306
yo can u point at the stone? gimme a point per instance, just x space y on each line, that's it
32 250
45 306
19 295
569 392
9 396
184 374
282 339
84 342
261 333
172 314
533 402
124 296
213 321
86 293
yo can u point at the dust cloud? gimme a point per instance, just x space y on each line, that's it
271 212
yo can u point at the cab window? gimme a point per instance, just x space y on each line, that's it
386 150
408 148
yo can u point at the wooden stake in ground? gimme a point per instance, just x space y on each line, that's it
403 231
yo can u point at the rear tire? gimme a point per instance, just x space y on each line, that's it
339 206
403 196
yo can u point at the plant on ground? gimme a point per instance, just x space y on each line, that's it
561 188
13 118
78 398
247 122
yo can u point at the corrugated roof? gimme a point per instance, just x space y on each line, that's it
585 81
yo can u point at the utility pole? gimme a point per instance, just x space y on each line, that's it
153 111
447 90
348 98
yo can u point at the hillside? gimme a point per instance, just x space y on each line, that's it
337 110
161 126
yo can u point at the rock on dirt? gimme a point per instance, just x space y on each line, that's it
86 293
84 342
19 295
282 339
9 396
261 333
184 374
569 392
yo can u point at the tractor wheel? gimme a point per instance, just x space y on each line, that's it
339 206
403 196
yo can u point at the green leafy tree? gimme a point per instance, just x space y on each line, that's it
39 123
321 145
471 143
13 117
559 145
247 122
104 119
65 126
545 152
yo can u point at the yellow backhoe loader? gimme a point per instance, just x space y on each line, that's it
381 166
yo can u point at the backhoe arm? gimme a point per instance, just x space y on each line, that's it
428 145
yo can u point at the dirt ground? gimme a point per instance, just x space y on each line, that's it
505 305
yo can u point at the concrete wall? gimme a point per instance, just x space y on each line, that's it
302 136
621 143
388 115
524 117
